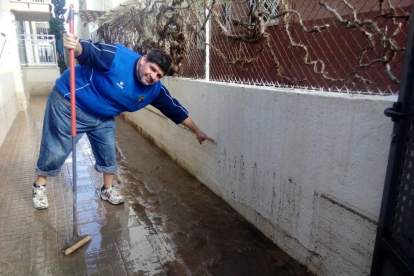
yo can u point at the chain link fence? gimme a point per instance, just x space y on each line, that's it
351 46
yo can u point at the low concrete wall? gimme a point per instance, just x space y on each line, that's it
306 168
40 80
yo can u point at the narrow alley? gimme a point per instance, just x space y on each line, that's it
170 224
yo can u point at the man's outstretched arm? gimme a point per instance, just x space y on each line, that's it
201 136
170 107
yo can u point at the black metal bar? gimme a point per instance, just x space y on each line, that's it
394 112
395 160
398 258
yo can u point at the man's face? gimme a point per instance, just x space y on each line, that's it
148 73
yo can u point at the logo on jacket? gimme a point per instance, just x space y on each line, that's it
140 99
120 84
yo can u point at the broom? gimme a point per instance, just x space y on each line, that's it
77 241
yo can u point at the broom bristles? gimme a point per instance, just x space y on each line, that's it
77 245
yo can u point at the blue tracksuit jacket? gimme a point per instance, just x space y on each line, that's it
106 84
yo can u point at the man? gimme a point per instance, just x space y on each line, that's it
110 79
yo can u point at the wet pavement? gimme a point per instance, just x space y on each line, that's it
170 224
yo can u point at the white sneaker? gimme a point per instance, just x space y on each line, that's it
39 197
112 195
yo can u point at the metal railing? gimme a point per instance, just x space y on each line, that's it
37 50
351 46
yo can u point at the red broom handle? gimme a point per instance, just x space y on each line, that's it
72 74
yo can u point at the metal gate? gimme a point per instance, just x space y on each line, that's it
394 246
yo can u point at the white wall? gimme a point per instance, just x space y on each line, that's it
306 168
98 5
40 80
12 94
83 32
115 3
80 30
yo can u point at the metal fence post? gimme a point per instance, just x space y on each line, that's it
207 73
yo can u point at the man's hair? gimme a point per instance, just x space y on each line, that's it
160 58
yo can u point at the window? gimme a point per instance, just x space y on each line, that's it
271 6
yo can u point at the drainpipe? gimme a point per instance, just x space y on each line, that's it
28 43
35 45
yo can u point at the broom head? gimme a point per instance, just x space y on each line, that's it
76 243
